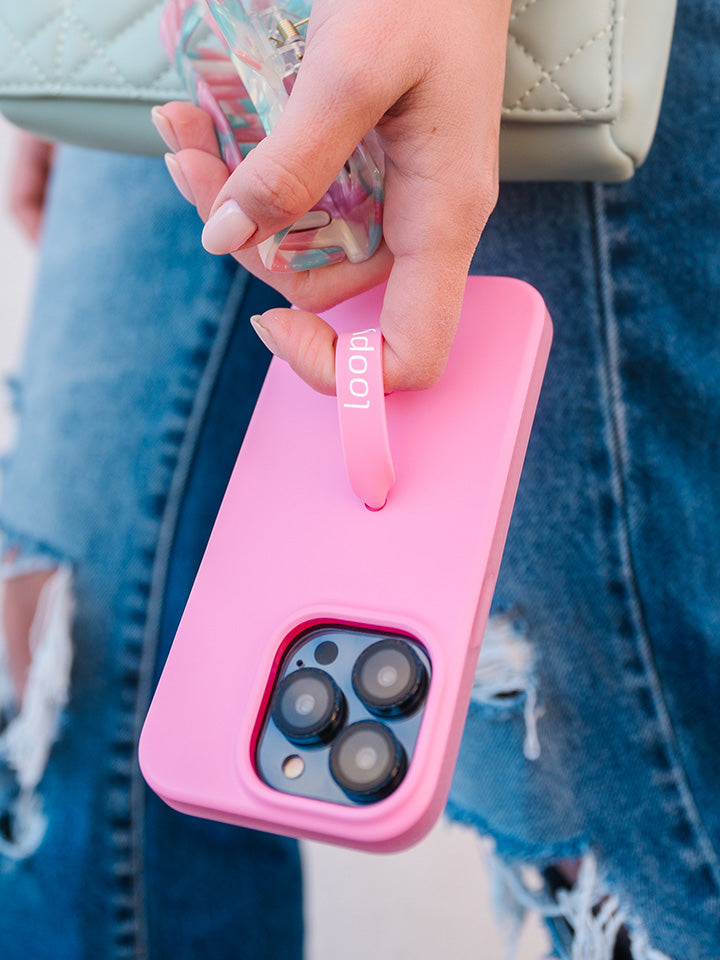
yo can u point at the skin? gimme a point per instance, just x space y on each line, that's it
20 603
28 182
427 77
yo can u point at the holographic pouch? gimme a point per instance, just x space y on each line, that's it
239 61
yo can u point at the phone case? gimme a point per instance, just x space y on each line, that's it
294 547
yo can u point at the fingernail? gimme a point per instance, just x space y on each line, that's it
178 177
164 128
227 229
263 333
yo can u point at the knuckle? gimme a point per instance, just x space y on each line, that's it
488 197
278 191
312 303
305 301
345 79
473 216
418 371
484 197
427 374
470 203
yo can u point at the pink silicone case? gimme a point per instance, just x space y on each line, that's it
293 546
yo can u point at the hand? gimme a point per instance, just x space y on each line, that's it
428 77
28 182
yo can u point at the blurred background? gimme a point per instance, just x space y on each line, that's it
429 902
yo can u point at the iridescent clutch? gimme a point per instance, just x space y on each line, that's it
239 61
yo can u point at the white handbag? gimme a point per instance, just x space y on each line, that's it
583 84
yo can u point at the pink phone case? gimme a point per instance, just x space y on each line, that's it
294 547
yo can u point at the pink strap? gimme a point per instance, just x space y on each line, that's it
361 406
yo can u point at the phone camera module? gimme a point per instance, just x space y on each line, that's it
309 707
367 762
390 678
326 653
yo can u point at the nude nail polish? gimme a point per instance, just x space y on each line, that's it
263 333
164 128
227 229
178 177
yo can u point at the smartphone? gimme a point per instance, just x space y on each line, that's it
319 680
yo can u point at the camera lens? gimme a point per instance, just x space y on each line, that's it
308 707
367 762
390 678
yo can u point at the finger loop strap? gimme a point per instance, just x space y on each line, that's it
361 407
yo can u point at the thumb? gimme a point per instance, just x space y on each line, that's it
329 111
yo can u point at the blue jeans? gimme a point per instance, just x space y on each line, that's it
609 589
127 435
591 734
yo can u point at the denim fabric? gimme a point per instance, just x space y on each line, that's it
131 415
611 570
134 330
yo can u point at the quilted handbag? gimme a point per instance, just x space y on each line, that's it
583 84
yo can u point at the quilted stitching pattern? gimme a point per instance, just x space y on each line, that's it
85 48
561 60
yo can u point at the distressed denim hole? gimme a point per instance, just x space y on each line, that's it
505 681
588 919
28 730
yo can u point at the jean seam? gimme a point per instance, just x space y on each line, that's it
616 433
187 414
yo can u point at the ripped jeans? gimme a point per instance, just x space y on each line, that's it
132 402
592 734
593 731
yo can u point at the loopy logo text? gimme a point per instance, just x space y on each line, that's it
358 386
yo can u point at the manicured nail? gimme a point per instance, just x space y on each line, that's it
164 128
179 179
263 332
227 229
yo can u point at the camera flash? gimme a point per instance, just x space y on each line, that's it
293 767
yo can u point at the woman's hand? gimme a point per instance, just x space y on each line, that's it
427 75
28 182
